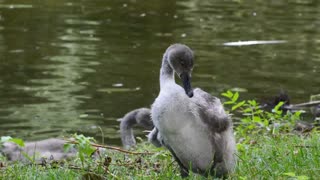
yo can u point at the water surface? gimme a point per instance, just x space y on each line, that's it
69 66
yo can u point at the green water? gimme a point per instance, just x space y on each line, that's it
76 66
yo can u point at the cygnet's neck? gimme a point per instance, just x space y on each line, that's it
166 72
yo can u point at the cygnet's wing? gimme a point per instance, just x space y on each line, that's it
211 111
212 114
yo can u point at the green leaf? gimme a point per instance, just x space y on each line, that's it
238 105
241 147
88 150
243 178
303 177
247 110
252 103
290 174
228 102
235 97
256 119
227 94
81 156
17 141
297 114
245 120
259 111
251 126
67 147
278 106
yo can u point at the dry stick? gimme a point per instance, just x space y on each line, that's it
119 149
297 106
113 148
305 146
302 105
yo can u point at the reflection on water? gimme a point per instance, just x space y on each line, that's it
71 66
250 43
15 6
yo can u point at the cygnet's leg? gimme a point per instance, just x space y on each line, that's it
224 158
218 169
155 138
183 170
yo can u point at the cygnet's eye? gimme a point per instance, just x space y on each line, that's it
182 62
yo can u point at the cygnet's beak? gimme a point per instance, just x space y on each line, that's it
186 81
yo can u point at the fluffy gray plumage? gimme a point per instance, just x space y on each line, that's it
48 149
191 124
140 117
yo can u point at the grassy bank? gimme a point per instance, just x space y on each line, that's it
268 148
264 157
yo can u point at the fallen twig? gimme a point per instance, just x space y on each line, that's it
305 146
112 147
303 105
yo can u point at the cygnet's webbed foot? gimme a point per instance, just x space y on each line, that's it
218 169
155 138
184 173
218 172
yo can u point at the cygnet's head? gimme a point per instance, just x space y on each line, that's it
180 58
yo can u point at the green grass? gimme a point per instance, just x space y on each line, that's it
267 149
23 172
279 157
284 156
